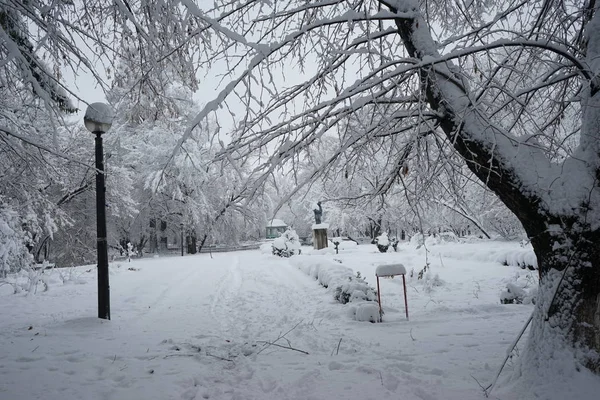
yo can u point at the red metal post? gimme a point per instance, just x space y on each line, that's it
405 301
379 300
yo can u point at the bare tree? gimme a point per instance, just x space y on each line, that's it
515 95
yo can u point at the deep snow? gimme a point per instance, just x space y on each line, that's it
197 327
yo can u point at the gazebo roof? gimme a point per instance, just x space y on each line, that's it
276 223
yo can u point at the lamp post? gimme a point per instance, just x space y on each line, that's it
181 226
98 119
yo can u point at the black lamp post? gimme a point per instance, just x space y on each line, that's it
181 226
98 119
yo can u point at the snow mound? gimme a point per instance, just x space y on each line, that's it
342 244
266 248
390 269
368 311
326 250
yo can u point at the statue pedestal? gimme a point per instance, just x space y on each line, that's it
320 236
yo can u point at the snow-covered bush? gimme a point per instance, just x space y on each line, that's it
287 244
394 241
431 282
383 242
356 288
336 243
131 251
441 238
523 258
14 254
417 240
349 288
517 294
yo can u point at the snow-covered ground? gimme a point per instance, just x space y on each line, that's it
239 326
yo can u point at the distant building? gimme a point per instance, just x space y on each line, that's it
275 228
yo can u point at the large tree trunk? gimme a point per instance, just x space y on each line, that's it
568 308
566 323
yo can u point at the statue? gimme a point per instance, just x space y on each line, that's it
318 213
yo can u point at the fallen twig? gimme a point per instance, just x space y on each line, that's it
218 357
283 347
282 336
179 355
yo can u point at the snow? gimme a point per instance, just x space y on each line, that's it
366 312
100 113
390 270
342 244
320 226
276 223
207 327
383 239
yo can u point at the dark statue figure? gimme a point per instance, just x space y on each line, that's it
318 213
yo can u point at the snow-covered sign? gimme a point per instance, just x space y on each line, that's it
391 270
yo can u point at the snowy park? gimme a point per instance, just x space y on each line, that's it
301 200
250 325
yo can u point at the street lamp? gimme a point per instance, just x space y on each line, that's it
181 226
98 119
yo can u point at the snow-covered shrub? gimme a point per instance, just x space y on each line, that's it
516 294
336 243
394 241
441 238
417 240
356 288
14 254
34 278
287 244
348 287
131 252
431 282
383 242
523 258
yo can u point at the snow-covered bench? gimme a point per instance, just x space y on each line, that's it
391 270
